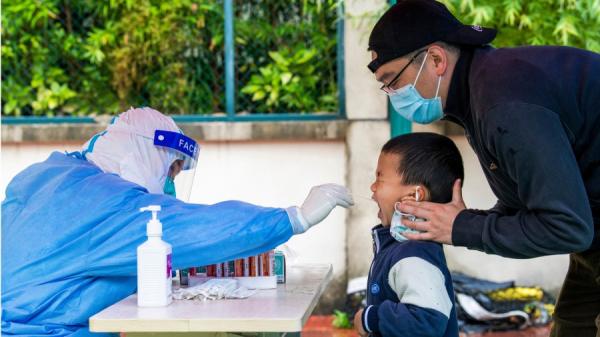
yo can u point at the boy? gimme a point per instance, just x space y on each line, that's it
409 290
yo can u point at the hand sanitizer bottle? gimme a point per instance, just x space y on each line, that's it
154 265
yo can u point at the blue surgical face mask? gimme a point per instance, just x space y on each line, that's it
396 226
411 105
169 187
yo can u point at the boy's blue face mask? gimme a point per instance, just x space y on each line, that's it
411 105
396 226
169 187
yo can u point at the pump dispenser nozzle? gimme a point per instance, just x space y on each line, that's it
154 227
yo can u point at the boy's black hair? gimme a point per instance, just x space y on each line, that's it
428 159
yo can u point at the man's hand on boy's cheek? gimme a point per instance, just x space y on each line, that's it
440 217
358 323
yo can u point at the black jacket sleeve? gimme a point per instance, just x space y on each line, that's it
531 148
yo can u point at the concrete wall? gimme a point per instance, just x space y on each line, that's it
368 130
363 98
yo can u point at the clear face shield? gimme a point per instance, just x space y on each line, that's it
180 178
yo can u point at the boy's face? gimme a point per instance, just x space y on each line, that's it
388 187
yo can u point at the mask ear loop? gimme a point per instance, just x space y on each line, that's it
396 206
437 91
421 68
417 194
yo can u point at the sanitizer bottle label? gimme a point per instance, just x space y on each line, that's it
169 266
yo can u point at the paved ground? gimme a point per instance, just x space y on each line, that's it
320 326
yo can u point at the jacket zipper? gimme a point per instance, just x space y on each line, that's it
376 250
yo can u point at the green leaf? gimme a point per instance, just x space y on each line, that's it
52 102
593 45
266 71
466 4
10 106
512 10
306 55
273 96
525 22
258 95
564 29
285 78
341 320
482 14
449 4
278 58
250 88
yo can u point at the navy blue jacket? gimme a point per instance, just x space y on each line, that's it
409 290
532 116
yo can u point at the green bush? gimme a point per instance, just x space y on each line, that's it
62 57
573 23
298 71
289 82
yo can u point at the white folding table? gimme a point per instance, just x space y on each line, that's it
284 310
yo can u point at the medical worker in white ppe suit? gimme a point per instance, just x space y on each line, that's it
71 224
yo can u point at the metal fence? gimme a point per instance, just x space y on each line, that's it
198 61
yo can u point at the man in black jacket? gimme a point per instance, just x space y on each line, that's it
532 116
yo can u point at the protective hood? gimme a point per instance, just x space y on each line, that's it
127 148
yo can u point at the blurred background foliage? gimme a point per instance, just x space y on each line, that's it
286 55
67 57
573 23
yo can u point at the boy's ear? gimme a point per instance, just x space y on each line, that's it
421 193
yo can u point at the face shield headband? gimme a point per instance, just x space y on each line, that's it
185 146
